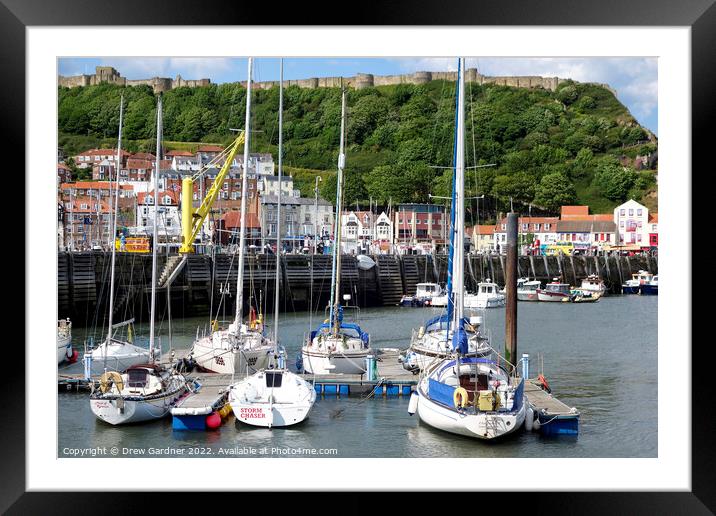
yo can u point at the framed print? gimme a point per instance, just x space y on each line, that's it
565 112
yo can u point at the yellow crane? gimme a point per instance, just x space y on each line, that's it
191 219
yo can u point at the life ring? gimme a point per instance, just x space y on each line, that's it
109 378
543 383
460 397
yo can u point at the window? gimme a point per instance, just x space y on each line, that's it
547 226
525 227
609 237
638 212
653 227
622 212
631 211
536 226
504 227
621 223
638 237
83 206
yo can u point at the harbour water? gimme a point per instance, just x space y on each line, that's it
598 357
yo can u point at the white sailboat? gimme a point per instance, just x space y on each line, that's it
64 341
275 396
115 352
463 393
432 342
143 391
241 347
335 346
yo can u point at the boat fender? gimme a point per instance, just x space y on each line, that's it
413 404
529 419
460 397
73 358
543 383
536 425
213 421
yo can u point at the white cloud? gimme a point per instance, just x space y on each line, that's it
187 67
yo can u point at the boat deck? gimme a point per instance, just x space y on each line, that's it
391 380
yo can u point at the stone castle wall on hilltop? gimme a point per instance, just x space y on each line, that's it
110 75
362 80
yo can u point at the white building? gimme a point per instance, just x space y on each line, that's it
315 219
168 221
633 226
366 232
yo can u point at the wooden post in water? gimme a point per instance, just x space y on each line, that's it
511 290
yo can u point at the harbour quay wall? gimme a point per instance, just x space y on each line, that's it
208 283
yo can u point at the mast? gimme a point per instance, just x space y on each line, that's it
278 210
459 272
155 241
244 189
336 272
453 209
114 221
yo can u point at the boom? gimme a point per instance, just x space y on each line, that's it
191 219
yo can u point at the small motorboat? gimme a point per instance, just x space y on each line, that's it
424 294
593 283
527 290
488 296
554 291
634 285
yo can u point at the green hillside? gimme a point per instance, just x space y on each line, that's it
548 148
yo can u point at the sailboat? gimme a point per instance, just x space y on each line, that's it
274 396
433 342
335 346
64 342
462 393
115 352
240 347
144 391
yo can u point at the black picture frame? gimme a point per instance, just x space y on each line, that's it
700 15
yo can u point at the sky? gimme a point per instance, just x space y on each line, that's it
633 78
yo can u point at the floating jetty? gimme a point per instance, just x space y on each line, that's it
389 380
555 417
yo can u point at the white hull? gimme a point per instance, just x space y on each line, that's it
434 347
439 301
116 412
221 357
253 403
477 301
64 349
551 297
423 359
117 356
484 425
336 362
527 295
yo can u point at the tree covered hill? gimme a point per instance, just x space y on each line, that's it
544 148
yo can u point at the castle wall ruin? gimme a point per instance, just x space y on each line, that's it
361 80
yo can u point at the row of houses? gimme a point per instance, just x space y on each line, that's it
630 228
138 167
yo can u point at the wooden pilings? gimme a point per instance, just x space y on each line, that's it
83 279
